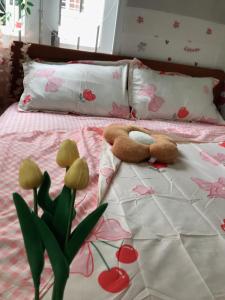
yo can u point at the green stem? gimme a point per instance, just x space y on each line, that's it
36 297
58 289
70 217
35 201
109 244
100 254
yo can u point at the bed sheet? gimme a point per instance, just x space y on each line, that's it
14 121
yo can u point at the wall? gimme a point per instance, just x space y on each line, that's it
145 30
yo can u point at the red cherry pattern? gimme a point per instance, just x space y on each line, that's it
127 254
27 99
89 95
158 165
114 280
223 225
222 144
183 112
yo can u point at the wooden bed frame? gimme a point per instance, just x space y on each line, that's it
53 54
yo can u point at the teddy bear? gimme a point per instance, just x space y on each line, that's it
133 144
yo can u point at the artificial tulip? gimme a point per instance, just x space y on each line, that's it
30 176
67 154
77 177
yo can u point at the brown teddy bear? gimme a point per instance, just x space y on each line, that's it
134 144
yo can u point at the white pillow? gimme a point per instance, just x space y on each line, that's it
156 96
78 88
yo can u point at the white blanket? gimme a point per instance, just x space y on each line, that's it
169 226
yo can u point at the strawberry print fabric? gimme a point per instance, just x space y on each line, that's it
160 95
80 88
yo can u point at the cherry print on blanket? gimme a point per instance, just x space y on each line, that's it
127 254
158 165
223 225
114 280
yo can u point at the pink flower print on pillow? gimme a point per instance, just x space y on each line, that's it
120 111
116 75
206 89
215 189
147 90
53 84
155 103
46 73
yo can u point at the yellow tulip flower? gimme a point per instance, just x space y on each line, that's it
67 153
77 177
30 176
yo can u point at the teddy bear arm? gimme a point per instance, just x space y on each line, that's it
112 132
130 151
164 152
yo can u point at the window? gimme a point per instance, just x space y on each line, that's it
83 24
88 24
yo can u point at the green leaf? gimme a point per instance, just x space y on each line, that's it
28 11
57 259
32 241
82 231
30 3
22 6
61 220
48 219
43 198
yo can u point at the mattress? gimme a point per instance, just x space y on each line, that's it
162 235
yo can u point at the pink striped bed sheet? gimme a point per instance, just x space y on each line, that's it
14 121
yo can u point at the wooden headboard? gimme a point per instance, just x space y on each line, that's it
53 54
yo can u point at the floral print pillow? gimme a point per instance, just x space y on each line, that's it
79 88
153 95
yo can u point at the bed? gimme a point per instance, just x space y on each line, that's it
162 235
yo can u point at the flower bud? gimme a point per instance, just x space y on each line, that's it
67 154
30 175
77 177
